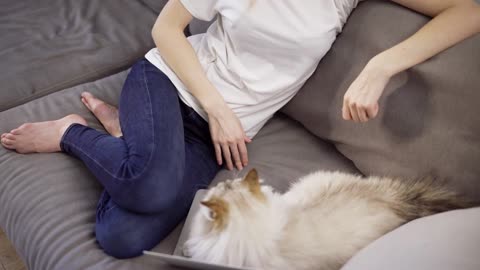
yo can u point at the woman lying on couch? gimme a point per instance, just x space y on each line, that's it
193 104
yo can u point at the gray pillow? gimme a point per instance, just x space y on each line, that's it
428 121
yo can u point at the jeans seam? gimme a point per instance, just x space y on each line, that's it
151 153
98 163
151 122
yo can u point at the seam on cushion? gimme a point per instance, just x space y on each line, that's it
51 89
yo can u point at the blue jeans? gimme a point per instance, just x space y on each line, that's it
152 172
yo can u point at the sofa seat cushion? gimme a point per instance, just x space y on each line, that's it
441 242
49 45
284 151
428 120
47 201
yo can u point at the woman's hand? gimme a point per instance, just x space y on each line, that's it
228 137
453 22
360 102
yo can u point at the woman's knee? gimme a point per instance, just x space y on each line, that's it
125 234
147 199
156 200
119 244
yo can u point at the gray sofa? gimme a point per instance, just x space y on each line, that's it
52 50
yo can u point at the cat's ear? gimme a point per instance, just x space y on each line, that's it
218 211
253 183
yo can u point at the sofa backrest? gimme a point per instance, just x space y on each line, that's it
50 45
429 115
429 122
155 5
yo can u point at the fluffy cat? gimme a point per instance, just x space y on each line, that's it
322 221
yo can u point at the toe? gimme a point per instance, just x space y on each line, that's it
85 102
91 101
15 131
10 136
7 142
3 135
8 146
87 95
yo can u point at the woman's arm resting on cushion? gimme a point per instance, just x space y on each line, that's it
227 132
453 22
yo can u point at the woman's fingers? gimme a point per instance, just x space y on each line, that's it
236 156
345 112
227 156
229 139
242 148
218 153
353 112
362 114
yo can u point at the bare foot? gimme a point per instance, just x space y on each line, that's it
105 113
40 137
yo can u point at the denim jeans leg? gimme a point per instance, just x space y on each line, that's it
125 234
151 173
143 170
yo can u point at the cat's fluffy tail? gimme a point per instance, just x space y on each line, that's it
419 198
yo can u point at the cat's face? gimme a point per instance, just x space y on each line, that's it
233 215
227 200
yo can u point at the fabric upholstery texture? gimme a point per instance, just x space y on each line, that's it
197 26
426 126
155 5
441 242
50 45
47 201
428 120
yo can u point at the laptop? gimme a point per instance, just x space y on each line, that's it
177 259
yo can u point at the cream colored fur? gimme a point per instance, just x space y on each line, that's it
324 219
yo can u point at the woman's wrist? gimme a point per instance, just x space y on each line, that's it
383 65
213 104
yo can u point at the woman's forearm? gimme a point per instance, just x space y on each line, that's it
448 28
182 59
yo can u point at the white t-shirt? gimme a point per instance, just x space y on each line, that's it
259 56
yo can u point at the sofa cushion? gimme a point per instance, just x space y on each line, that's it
155 5
198 26
47 201
428 121
441 242
284 151
49 45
